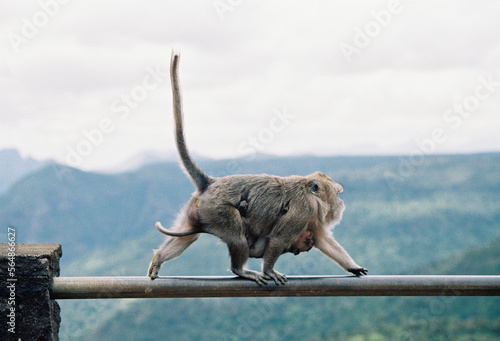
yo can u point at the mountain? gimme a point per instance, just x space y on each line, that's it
484 260
84 211
401 215
142 159
14 167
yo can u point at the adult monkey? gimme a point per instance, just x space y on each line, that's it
260 216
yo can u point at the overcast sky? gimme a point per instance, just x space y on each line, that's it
86 82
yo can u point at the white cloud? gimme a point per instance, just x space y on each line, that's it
263 56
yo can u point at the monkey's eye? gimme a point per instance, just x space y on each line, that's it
314 187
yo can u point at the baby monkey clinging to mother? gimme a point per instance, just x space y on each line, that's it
259 216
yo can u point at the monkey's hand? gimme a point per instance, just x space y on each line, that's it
276 276
358 271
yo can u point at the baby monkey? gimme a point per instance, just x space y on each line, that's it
259 216
304 243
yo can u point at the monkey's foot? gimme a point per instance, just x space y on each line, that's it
258 277
154 268
358 271
276 276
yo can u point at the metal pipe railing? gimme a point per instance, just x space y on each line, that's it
144 287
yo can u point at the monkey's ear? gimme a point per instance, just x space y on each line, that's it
314 187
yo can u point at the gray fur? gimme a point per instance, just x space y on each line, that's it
199 177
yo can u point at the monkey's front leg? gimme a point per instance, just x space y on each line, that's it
329 246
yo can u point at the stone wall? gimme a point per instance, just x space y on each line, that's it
26 310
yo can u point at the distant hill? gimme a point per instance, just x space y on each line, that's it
84 211
140 160
14 167
483 260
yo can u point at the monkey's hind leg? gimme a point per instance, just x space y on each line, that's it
273 251
239 256
172 247
231 230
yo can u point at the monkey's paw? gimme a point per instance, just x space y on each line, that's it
276 276
154 268
258 277
359 271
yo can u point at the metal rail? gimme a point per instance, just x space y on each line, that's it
144 287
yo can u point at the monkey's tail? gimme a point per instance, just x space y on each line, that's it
198 176
175 234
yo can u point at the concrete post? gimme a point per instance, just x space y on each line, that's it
26 310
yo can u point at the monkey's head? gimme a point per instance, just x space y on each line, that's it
326 191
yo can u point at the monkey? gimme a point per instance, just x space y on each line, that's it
260 216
